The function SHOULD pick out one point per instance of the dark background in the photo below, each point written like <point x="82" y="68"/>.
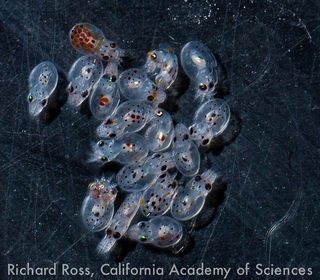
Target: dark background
<point x="270" y="53"/>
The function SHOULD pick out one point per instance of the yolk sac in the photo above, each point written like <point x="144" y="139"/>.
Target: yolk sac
<point x="86" y="38"/>
<point x="185" y="152"/>
<point x="129" y="117"/>
<point x="189" y="200"/>
<point x="160" y="132"/>
<point x="120" y="222"/>
<point x="200" y="65"/>
<point x="135" y="85"/>
<point x="83" y="75"/>
<point x="210" y="120"/>
<point x="104" y="99"/>
<point x="98" y="206"/>
<point x="162" y="232"/>
<point x="157" y="199"/>
<point x="163" y="64"/>
<point x="43" y="81"/>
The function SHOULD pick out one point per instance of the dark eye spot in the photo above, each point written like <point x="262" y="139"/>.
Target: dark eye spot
<point x="113" y="78"/>
<point x="211" y="85"/>
<point x="112" y="135"/>
<point x="185" y="137"/>
<point x="208" y="187"/>
<point x="100" y="143"/>
<point x="104" y="158"/>
<point x="203" y="86"/>
<point x="109" y="231"/>
<point x="198" y="178"/>
<point x="113" y="191"/>
<point x="44" y="102"/>
<point x="116" y="235"/>
<point x="150" y="98"/>
<point x="30" y="98"/>
<point x="163" y="168"/>
<point x="84" y="94"/>
<point x="97" y="214"/>
<point x="113" y="45"/>
<point x="71" y="89"/>
<point x="205" y="141"/>
<point x="191" y="130"/>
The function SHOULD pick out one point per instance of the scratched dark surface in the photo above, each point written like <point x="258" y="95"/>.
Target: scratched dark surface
<point x="270" y="53"/>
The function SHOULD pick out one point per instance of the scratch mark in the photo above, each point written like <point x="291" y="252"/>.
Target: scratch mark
<point x="291" y="212"/>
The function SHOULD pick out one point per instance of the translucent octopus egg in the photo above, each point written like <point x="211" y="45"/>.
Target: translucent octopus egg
<point x="83" y="75"/>
<point x="185" y="152"/>
<point x="210" y="120"/>
<point x="95" y="215"/>
<point x="120" y="222"/>
<point x="135" y="85"/>
<point x="200" y="65"/>
<point x="196" y="57"/>
<point x="159" y="134"/>
<point x="163" y="64"/>
<point x="157" y="199"/>
<point x="160" y="231"/>
<point x="190" y="199"/>
<point x="104" y="99"/>
<point x="86" y="38"/>
<point x="43" y="81"/>
<point x="169" y="231"/>
<point x="98" y="206"/>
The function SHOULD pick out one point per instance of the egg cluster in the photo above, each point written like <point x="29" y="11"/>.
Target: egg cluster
<point x="139" y="135"/>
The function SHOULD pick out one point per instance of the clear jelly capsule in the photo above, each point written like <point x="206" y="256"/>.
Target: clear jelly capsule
<point x="160" y="231"/>
<point x="134" y="177"/>
<point x="43" y="81"/>
<point x="185" y="152"/>
<point x="163" y="63"/>
<point x="157" y="199"/>
<point x="120" y="222"/>
<point x="98" y="206"/>
<point x="210" y="120"/>
<point x="83" y="75"/>
<point x="190" y="199"/>
<point x="127" y="149"/>
<point x="104" y="99"/>
<point x="160" y="132"/>
<point x="200" y="65"/>
<point x="129" y="117"/>
<point x="86" y="38"/>
<point x="135" y="85"/>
